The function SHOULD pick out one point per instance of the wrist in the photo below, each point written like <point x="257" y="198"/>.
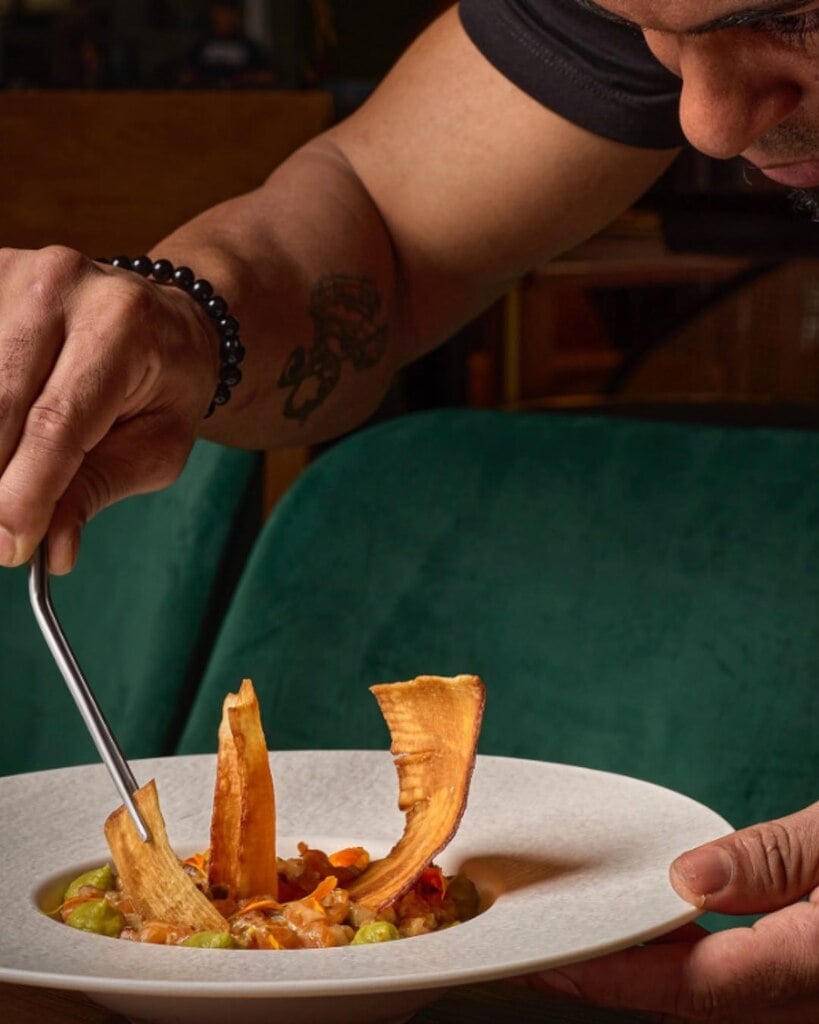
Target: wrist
<point x="213" y="306"/>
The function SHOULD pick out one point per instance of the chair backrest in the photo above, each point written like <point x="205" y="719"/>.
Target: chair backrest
<point x="113" y="172"/>
<point x="140" y="611"/>
<point x="638" y="597"/>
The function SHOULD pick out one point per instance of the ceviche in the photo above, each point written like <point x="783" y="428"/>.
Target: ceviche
<point x="240" y="893"/>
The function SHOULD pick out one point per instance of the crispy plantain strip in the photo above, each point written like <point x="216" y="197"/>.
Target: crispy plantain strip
<point x="156" y="883"/>
<point x="243" y="826"/>
<point x="434" y="723"/>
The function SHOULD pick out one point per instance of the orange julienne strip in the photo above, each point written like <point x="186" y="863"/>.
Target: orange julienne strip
<point x="351" y="856"/>
<point x="260" y="904"/>
<point x="324" y="888"/>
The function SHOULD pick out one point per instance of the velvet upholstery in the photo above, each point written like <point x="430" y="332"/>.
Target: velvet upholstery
<point x="140" y="609"/>
<point x="638" y="597"/>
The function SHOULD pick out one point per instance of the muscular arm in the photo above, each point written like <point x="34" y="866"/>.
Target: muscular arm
<point x="361" y="252"/>
<point x="448" y="184"/>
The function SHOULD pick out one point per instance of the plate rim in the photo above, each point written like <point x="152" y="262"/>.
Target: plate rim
<point x="304" y="988"/>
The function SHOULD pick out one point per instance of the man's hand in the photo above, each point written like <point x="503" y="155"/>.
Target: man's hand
<point x="767" y="974"/>
<point x="105" y="379"/>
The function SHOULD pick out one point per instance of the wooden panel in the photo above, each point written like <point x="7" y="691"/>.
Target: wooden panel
<point x="759" y="345"/>
<point x="281" y="467"/>
<point x="111" y="172"/>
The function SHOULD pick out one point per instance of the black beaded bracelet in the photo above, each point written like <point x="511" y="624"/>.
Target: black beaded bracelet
<point x="231" y="350"/>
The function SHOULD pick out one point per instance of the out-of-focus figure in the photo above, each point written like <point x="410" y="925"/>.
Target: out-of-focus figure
<point x="226" y="56"/>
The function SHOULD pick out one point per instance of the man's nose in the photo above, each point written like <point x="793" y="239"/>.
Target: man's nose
<point x="730" y="99"/>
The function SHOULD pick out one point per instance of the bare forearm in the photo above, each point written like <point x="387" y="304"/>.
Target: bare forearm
<point x="307" y="267"/>
<point x="377" y="240"/>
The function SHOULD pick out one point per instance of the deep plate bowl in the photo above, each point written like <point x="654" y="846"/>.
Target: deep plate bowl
<point x="571" y="863"/>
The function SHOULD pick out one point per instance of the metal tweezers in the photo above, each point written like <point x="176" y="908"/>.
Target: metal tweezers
<point x="106" y="744"/>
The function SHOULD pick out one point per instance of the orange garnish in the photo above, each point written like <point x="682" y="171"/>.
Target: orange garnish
<point x="75" y="901"/>
<point x="324" y="888"/>
<point x="156" y="933"/>
<point x="351" y="857"/>
<point x="259" y="904"/>
<point x="197" y="860"/>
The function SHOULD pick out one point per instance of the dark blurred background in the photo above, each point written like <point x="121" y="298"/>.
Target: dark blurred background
<point x="144" y="44"/>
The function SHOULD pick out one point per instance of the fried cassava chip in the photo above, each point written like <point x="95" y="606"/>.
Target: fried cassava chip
<point x="151" y="874"/>
<point x="434" y="723"/>
<point x="243" y="826"/>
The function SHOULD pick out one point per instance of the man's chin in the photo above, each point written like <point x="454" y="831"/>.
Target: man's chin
<point x="806" y="200"/>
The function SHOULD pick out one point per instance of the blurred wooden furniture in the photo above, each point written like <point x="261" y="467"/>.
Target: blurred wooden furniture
<point x="555" y="347"/>
<point x="113" y="172"/>
<point x="109" y="172"/>
<point x="626" y="323"/>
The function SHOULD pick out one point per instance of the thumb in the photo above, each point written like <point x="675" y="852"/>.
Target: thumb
<point x="755" y="870"/>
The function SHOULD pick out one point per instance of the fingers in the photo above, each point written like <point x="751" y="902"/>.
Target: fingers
<point x="69" y="417"/>
<point x="689" y="933"/>
<point x="766" y="973"/>
<point x="31" y="335"/>
<point x="755" y="870"/>
<point x="137" y="456"/>
<point x="47" y="385"/>
<point x="85" y="350"/>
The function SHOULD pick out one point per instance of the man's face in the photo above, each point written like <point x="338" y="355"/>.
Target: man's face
<point x="750" y="74"/>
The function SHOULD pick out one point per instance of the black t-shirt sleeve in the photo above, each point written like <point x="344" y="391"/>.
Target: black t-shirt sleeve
<point x="592" y="71"/>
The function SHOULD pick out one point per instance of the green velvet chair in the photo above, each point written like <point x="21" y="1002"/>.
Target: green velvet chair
<point x="638" y="597"/>
<point x="152" y="582"/>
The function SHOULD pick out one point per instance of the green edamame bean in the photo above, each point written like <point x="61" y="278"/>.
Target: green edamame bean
<point x="102" y="878"/>
<point x="210" y="940"/>
<point x="375" y="931"/>
<point x="97" y="916"/>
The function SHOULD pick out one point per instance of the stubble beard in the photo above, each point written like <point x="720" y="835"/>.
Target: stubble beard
<point x="791" y="140"/>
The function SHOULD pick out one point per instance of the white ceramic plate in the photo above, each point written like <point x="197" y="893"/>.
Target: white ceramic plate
<point x="571" y="863"/>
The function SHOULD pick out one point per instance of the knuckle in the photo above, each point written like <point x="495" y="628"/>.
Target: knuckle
<point x="53" y="426"/>
<point x="56" y="266"/>
<point x="62" y="258"/>
<point x="772" y="854"/>
<point x="8" y="256"/>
